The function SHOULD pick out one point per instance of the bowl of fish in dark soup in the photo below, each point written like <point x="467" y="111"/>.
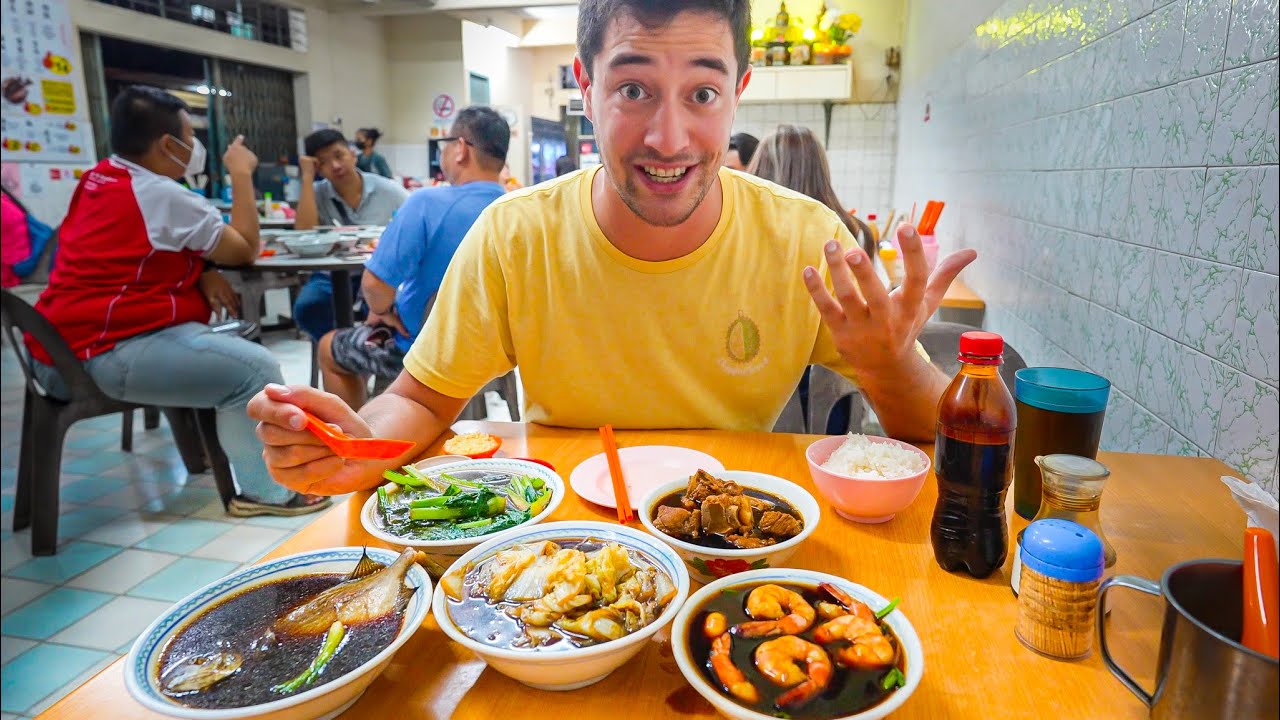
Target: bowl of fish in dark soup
<point x="560" y="606"/>
<point x="730" y="521"/>
<point x="797" y="644"/>
<point x="298" y="637"/>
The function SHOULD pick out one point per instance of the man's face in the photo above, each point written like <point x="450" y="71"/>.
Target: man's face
<point x="662" y="102"/>
<point x="179" y="154"/>
<point x="450" y="156"/>
<point x="336" y="162"/>
<point x="732" y="161"/>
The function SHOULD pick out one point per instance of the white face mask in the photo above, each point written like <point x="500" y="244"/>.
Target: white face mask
<point x="195" y="164"/>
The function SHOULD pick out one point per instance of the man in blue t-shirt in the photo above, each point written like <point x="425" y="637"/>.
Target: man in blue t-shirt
<point x="402" y="277"/>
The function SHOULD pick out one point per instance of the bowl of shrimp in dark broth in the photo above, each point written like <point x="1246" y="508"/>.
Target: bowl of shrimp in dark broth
<point x="796" y="643"/>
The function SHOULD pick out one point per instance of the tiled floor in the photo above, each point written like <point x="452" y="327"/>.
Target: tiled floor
<point x="136" y="533"/>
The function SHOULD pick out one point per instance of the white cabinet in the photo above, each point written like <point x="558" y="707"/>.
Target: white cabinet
<point x="803" y="82"/>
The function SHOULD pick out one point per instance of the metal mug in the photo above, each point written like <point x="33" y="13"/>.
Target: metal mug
<point x="1201" y="671"/>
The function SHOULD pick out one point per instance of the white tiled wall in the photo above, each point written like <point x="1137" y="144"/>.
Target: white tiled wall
<point x="1115" y="164"/>
<point x="860" y="150"/>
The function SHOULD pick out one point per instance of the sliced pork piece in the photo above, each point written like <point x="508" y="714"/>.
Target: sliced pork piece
<point x="780" y="524"/>
<point x="747" y="542"/>
<point x="676" y="522"/>
<point x="716" y="512"/>
<point x="703" y="485"/>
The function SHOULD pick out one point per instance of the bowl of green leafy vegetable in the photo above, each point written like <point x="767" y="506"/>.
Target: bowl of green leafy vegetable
<point x="444" y="510"/>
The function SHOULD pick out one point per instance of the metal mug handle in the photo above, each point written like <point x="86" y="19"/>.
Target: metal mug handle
<point x="1132" y="582"/>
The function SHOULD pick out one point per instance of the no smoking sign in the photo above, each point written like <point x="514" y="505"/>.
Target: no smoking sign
<point x="442" y="106"/>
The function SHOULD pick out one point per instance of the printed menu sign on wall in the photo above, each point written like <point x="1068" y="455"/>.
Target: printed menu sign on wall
<point x="40" y="79"/>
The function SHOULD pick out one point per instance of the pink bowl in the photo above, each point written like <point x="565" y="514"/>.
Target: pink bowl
<point x="863" y="499"/>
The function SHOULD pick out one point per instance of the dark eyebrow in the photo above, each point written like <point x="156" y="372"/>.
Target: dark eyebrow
<point x="630" y="59"/>
<point x="711" y="63"/>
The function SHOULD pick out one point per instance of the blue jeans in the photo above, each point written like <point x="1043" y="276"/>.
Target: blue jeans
<point x="313" y="310"/>
<point x="188" y="366"/>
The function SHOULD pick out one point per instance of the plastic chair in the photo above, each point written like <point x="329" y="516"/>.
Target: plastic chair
<point x="475" y="409"/>
<point x="940" y="339"/>
<point x="46" y="420"/>
<point x="792" y="418"/>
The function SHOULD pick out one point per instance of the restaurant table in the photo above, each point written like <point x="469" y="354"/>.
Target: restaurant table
<point x="962" y="305"/>
<point x="1156" y="511"/>
<point x="254" y="280"/>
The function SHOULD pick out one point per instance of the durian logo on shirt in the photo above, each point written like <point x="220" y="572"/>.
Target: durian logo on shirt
<point x="742" y="347"/>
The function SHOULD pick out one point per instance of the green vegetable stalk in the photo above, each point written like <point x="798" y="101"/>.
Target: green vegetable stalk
<point x="405" y="480"/>
<point x="888" y="608"/>
<point x="892" y="679"/>
<point x="332" y="641"/>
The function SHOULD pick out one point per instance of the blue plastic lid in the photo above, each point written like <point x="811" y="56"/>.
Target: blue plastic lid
<point x="1061" y="389"/>
<point x="1063" y="550"/>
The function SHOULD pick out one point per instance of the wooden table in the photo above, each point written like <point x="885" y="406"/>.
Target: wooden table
<point x="960" y="297"/>
<point x="960" y="304"/>
<point x="1157" y="511"/>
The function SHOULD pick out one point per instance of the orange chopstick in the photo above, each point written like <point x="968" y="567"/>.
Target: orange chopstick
<point x="930" y="219"/>
<point x="615" y="473"/>
<point x="933" y="215"/>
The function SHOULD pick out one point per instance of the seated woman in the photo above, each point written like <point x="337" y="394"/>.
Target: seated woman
<point x="128" y="288"/>
<point x="792" y="157"/>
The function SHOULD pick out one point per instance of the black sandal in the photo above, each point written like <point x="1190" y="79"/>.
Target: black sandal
<point x="241" y="506"/>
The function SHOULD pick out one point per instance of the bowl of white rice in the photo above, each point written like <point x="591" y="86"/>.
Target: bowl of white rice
<point x="867" y="479"/>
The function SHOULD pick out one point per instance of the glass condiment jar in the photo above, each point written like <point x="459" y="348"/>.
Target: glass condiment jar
<point x="1071" y="490"/>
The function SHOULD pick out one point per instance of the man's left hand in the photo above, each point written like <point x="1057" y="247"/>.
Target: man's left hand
<point x="391" y="320"/>
<point x="219" y="293"/>
<point x="875" y="330"/>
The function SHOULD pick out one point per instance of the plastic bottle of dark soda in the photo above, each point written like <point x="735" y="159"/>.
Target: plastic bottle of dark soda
<point x="973" y="461"/>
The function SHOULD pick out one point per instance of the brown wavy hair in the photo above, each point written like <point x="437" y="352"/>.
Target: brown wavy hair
<point x="792" y="157"/>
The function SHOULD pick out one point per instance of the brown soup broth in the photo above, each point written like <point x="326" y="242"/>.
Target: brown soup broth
<point x="237" y="623"/>
<point x="849" y="692"/>
<point x="718" y="542"/>
<point x="488" y="622"/>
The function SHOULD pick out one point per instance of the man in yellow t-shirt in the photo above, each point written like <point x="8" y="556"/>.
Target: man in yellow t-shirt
<point x="658" y="290"/>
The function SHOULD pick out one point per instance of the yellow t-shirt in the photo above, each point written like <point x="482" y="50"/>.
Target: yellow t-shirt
<point x="715" y="339"/>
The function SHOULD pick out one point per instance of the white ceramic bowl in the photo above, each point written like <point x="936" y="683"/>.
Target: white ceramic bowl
<point x="579" y="667"/>
<point x="142" y="667"/>
<point x="692" y="669"/>
<point x="707" y="564"/>
<point x="310" y="245"/>
<point x="442" y="553"/>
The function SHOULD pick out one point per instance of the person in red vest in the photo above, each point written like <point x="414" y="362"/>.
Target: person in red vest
<point x="131" y="294"/>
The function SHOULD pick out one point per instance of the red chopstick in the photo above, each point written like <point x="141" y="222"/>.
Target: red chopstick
<point x="615" y="473"/>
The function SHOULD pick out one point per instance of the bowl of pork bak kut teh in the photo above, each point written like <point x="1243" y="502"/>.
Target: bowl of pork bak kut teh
<point x="730" y="521"/>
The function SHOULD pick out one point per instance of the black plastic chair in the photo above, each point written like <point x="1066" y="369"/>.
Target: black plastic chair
<point x="46" y="420"/>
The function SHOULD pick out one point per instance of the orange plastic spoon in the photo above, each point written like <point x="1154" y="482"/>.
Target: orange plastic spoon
<point x="345" y="446"/>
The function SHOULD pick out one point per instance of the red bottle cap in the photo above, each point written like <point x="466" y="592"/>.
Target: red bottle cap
<point x="979" y="344"/>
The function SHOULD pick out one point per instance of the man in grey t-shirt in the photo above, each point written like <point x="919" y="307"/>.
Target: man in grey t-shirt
<point x="343" y="196"/>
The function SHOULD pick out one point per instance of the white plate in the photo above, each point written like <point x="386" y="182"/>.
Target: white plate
<point x="643" y="468"/>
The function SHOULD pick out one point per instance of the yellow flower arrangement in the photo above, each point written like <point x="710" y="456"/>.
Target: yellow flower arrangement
<point x="842" y="28"/>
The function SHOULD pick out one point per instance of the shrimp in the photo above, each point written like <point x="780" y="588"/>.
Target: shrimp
<point x="869" y="648"/>
<point x="778" y="611"/>
<point x="854" y="607"/>
<point x="779" y="660"/>
<point x="728" y="674"/>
